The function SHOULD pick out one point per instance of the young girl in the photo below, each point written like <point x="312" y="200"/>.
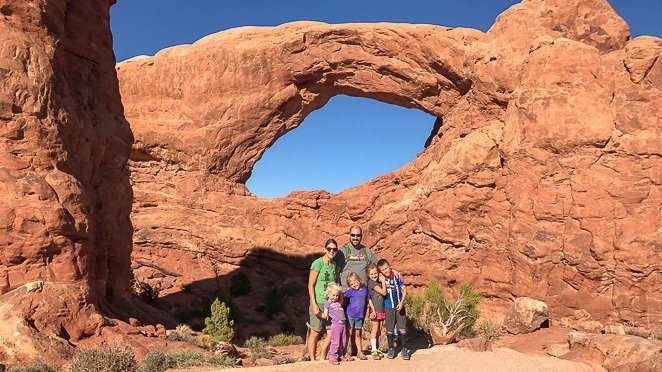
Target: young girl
<point x="333" y="309"/>
<point x="377" y="291"/>
<point x="358" y="299"/>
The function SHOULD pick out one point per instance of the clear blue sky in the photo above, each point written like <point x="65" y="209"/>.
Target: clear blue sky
<point x="316" y="155"/>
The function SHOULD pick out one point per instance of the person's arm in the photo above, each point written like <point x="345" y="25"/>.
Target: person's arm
<point x="312" y="279"/>
<point x="371" y="305"/>
<point x="381" y="289"/>
<point x="404" y="294"/>
<point x="325" y="314"/>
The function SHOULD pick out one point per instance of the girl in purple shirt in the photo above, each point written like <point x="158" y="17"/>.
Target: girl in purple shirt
<point x="333" y="309"/>
<point x="358" y="300"/>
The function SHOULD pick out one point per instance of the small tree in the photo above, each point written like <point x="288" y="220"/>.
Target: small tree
<point x="219" y="325"/>
<point x="446" y="320"/>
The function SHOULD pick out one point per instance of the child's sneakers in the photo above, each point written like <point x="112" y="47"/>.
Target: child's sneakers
<point x="404" y="354"/>
<point x="376" y="354"/>
<point x="361" y="356"/>
<point x="391" y="353"/>
<point x="334" y="361"/>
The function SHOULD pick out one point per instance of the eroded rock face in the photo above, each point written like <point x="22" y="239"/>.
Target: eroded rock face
<point x="65" y="197"/>
<point x="543" y="177"/>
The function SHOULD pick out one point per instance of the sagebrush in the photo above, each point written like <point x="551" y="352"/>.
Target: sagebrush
<point x="452" y="318"/>
<point x="285" y="339"/>
<point x="107" y="358"/>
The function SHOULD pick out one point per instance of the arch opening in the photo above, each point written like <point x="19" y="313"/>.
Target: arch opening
<point x="349" y="141"/>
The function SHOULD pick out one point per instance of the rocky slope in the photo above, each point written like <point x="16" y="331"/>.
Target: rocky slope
<point x="541" y="178"/>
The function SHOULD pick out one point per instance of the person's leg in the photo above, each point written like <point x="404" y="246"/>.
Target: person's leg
<point x="326" y="344"/>
<point x="390" y="325"/>
<point x="335" y="336"/>
<point x="402" y="330"/>
<point x="316" y="327"/>
<point x="312" y="344"/>
<point x="343" y="346"/>
<point x="374" y="333"/>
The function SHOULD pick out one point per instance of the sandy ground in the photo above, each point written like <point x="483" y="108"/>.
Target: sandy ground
<point x="440" y="358"/>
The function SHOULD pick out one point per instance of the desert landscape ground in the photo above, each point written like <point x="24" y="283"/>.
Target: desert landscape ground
<point x="124" y="211"/>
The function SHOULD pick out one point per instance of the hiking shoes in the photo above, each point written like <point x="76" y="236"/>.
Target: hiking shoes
<point x="361" y="356"/>
<point x="334" y="361"/>
<point x="376" y="355"/>
<point x="391" y="353"/>
<point x="404" y="354"/>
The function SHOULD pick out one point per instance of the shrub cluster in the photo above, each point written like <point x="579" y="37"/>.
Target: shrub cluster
<point x="159" y="361"/>
<point x="284" y="339"/>
<point x="107" y="358"/>
<point x="454" y="317"/>
<point x="258" y="348"/>
<point x="36" y="366"/>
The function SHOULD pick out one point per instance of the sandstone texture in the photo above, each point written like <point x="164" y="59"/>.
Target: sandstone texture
<point x="541" y="178"/>
<point x="525" y="316"/>
<point x="65" y="196"/>
<point x="616" y="353"/>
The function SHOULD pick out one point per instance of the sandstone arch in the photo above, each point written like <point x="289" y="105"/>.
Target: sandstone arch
<point x="544" y="178"/>
<point x="526" y="166"/>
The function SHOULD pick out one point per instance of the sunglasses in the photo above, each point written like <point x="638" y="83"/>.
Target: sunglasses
<point x="331" y="249"/>
<point x="355" y="235"/>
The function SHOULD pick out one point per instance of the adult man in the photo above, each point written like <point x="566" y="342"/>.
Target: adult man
<point x="353" y="257"/>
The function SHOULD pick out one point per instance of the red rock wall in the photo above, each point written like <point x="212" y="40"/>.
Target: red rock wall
<point x="65" y="196"/>
<point x="544" y="179"/>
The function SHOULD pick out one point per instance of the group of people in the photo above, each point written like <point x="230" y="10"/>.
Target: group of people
<point x="345" y="285"/>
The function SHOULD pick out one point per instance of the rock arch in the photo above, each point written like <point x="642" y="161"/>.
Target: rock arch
<point x="544" y="178"/>
<point x="532" y="127"/>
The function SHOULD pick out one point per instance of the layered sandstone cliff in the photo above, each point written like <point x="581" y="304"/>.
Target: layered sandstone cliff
<point x="542" y="176"/>
<point x="65" y="197"/>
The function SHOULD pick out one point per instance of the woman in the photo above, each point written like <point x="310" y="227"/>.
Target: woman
<point x="322" y="272"/>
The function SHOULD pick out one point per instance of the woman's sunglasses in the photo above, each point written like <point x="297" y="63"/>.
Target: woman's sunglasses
<point x="329" y="249"/>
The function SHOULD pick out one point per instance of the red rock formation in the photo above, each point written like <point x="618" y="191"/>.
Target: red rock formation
<point x="543" y="180"/>
<point x="65" y="197"/>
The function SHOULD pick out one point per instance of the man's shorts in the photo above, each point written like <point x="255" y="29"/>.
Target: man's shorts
<point x="316" y="324"/>
<point x="395" y="317"/>
<point x="356" y="323"/>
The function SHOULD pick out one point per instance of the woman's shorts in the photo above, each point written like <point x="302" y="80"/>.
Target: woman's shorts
<point x="317" y="324"/>
<point x="356" y="323"/>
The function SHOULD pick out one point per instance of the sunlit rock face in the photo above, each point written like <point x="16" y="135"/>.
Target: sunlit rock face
<point x="65" y="196"/>
<point x="543" y="178"/>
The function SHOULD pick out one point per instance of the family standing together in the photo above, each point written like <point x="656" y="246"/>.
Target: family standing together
<point x="345" y="285"/>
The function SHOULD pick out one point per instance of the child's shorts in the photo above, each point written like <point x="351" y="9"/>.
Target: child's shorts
<point x="377" y="315"/>
<point x="356" y="323"/>
<point x="395" y="318"/>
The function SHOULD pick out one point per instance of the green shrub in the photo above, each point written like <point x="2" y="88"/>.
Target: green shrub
<point x="104" y="359"/>
<point x="454" y="318"/>
<point x="490" y="330"/>
<point x="284" y="339"/>
<point x="219" y="325"/>
<point x="258" y="348"/>
<point x="239" y="284"/>
<point x="158" y="361"/>
<point x="183" y="333"/>
<point x="36" y="366"/>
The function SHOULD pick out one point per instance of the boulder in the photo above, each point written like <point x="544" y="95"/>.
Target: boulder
<point x="582" y="321"/>
<point x="525" y="316"/>
<point x="616" y="352"/>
